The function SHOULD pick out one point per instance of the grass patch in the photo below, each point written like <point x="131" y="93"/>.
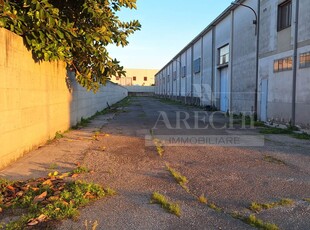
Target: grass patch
<point x="307" y="199"/>
<point x="301" y="136"/>
<point x="179" y="178"/>
<point x="258" y="223"/>
<point x="46" y="199"/>
<point x="257" y="207"/>
<point x="58" y="135"/>
<point x="53" y="166"/>
<point x="111" y="109"/>
<point x="159" y="148"/>
<point x="214" y="207"/>
<point x="288" y="131"/>
<point x="203" y="199"/>
<point x="80" y="170"/>
<point x="169" y="101"/>
<point x="173" y="208"/>
<point x="274" y="130"/>
<point x="274" y="160"/>
<point x="249" y="120"/>
<point x="123" y="103"/>
<point x="83" y="123"/>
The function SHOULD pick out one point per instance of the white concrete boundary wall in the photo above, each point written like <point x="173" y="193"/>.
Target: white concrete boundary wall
<point x="140" y="89"/>
<point x="35" y="101"/>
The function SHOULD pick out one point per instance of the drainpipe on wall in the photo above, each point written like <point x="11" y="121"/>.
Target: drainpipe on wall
<point x="180" y="78"/>
<point x="231" y="59"/>
<point x="185" y="80"/>
<point x="172" y="80"/>
<point x="257" y="60"/>
<point x="192" y="74"/>
<point x="201" y="71"/>
<point x="293" y="121"/>
<point x="213" y="66"/>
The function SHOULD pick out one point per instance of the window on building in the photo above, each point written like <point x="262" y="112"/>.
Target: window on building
<point x="134" y="78"/>
<point x="284" y="15"/>
<point x="145" y="78"/>
<point x="304" y="60"/>
<point x="224" y="55"/>
<point x="197" y="65"/>
<point x="283" y="64"/>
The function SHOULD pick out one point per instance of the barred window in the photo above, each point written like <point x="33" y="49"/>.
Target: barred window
<point x="284" y="15"/>
<point x="283" y="64"/>
<point x="304" y="60"/>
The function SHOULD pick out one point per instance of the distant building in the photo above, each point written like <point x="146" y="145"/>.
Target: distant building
<point x="137" y="77"/>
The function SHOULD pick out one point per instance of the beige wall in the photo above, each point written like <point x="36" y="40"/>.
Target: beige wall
<point x="139" y="74"/>
<point x="35" y="101"/>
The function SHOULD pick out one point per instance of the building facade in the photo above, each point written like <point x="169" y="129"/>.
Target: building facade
<point x="284" y="61"/>
<point x="137" y="77"/>
<point x="243" y="62"/>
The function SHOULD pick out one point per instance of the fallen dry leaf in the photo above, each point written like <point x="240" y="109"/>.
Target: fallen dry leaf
<point x="74" y="175"/>
<point x="32" y="222"/>
<point x="40" y="197"/>
<point x="20" y="193"/>
<point x="53" y="198"/>
<point x="9" y="187"/>
<point x="47" y="182"/>
<point x="42" y="218"/>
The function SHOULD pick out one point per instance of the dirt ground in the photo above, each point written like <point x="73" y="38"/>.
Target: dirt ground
<point x="231" y="177"/>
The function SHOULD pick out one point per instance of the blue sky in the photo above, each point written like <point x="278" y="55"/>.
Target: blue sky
<point x="167" y="26"/>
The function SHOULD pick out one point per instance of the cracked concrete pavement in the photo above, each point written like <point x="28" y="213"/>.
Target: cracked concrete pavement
<point x="230" y="177"/>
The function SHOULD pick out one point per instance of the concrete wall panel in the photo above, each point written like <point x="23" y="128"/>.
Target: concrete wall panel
<point x="36" y="102"/>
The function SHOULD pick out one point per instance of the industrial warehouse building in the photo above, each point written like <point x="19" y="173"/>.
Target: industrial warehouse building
<point x="253" y="58"/>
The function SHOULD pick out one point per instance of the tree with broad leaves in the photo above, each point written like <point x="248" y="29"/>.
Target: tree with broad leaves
<point x="74" y="31"/>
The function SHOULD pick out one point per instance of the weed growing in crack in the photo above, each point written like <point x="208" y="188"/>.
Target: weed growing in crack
<point x="254" y="221"/>
<point x="53" y="166"/>
<point x="110" y="192"/>
<point x="173" y="208"/>
<point x="159" y="148"/>
<point x="80" y="169"/>
<point x="203" y="199"/>
<point x="273" y="159"/>
<point x="58" y="135"/>
<point x="214" y="207"/>
<point x="257" y="207"/>
<point x="180" y="179"/>
<point x="93" y="226"/>
<point x="258" y="223"/>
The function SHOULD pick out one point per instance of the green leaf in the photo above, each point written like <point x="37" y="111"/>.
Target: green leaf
<point x="72" y="31"/>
